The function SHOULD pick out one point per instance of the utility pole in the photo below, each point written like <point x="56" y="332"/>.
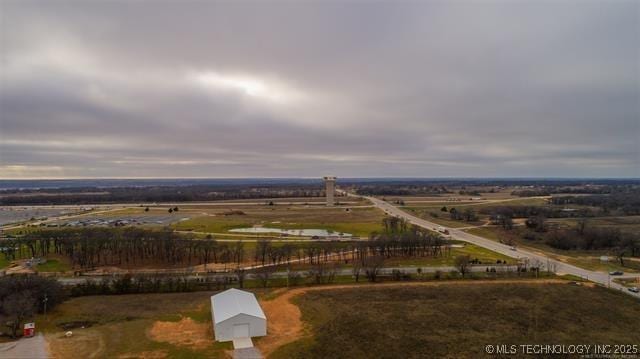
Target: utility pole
<point x="44" y="301"/>
<point x="288" y="275"/>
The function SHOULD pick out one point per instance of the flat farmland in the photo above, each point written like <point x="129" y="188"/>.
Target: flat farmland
<point x="628" y="224"/>
<point x="530" y="201"/>
<point x="455" y="196"/>
<point x="282" y="200"/>
<point x="458" y="320"/>
<point x="432" y="211"/>
<point x="359" y="221"/>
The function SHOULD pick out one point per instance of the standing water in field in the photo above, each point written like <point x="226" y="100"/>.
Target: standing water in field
<point x="291" y="232"/>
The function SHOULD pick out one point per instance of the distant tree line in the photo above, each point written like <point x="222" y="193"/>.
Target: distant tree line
<point x="150" y="194"/>
<point x="628" y="202"/>
<point x="466" y="214"/>
<point x="579" y="188"/>
<point x="135" y="284"/>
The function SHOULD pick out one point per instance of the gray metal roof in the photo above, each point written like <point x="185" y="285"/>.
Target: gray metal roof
<point x="233" y="302"/>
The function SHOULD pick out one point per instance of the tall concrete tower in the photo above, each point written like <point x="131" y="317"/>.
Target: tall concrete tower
<point x="330" y="187"/>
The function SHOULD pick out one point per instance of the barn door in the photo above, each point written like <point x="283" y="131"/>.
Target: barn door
<point x="241" y="331"/>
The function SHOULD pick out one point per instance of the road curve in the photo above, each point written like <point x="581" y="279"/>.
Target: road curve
<point x="545" y="262"/>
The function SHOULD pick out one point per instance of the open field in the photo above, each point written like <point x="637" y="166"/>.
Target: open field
<point x="54" y="265"/>
<point x="358" y="217"/>
<point x="485" y="256"/>
<point x="3" y="261"/>
<point x="402" y="319"/>
<point x="176" y="325"/>
<point x="504" y="193"/>
<point x="432" y="212"/>
<point x="628" y="224"/>
<point x="515" y="201"/>
<point x="288" y="200"/>
<point x="357" y="221"/>
<point x="443" y="219"/>
<point x="458" y="320"/>
<point x="447" y="259"/>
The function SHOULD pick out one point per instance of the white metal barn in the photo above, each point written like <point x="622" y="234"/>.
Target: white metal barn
<point x="237" y="314"/>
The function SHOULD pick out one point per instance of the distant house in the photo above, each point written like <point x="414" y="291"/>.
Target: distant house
<point x="237" y="314"/>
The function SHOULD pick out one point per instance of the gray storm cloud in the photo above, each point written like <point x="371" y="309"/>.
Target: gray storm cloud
<point x="278" y="89"/>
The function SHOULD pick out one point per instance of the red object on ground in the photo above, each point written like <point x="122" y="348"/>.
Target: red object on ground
<point x="29" y="330"/>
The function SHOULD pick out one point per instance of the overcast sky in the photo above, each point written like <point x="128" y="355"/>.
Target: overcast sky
<point x="284" y="89"/>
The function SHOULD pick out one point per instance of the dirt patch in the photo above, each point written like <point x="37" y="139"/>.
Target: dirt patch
<point x="186" y="333"/>
<point x="19" y="267"/>
<point x="157" y="354"/>
<point x="284" y="323"/>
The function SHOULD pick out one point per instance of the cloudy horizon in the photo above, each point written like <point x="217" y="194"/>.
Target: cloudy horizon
<point x="281" y="89"/>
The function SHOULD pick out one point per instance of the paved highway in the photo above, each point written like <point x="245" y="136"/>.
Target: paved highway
<point x="545" y="262"/>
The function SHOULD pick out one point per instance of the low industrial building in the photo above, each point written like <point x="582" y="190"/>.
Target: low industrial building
<point x="237" y="314"/>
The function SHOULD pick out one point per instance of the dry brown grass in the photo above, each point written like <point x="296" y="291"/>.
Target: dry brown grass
<point x="457" y="320"/>
<point x="154" y="354"/>
<point x="83" y="344"/>
<point x="284" y="323"/>
<point x="185" y="332"/>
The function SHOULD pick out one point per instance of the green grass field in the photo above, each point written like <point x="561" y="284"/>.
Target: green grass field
<point x="357" y="221"/>
<point x="457" y="321"/>
<point x="4" y="262"/>
<point x="492" y="232"/>
<point x="54" y="265"/>
<point x="484" y="255"/>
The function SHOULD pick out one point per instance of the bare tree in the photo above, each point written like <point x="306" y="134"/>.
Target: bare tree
<point x="356" y="269"/>
<point x="263" y="275"/>
<point x="241" y="274"/>
<point x="293" y="278"/>
<point x="582" y="225"/>
<point x="469" y="215"/>
<point x="372" y="266"/>
<point x="463" y="264"/>
<point x="319" y="272"/>
<point x="323" y="272"/>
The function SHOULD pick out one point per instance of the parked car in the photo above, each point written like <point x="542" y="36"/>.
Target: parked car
<point x="634" y="289"/>
<point x="616" y="272"/>
<point x="513" y="248"/>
